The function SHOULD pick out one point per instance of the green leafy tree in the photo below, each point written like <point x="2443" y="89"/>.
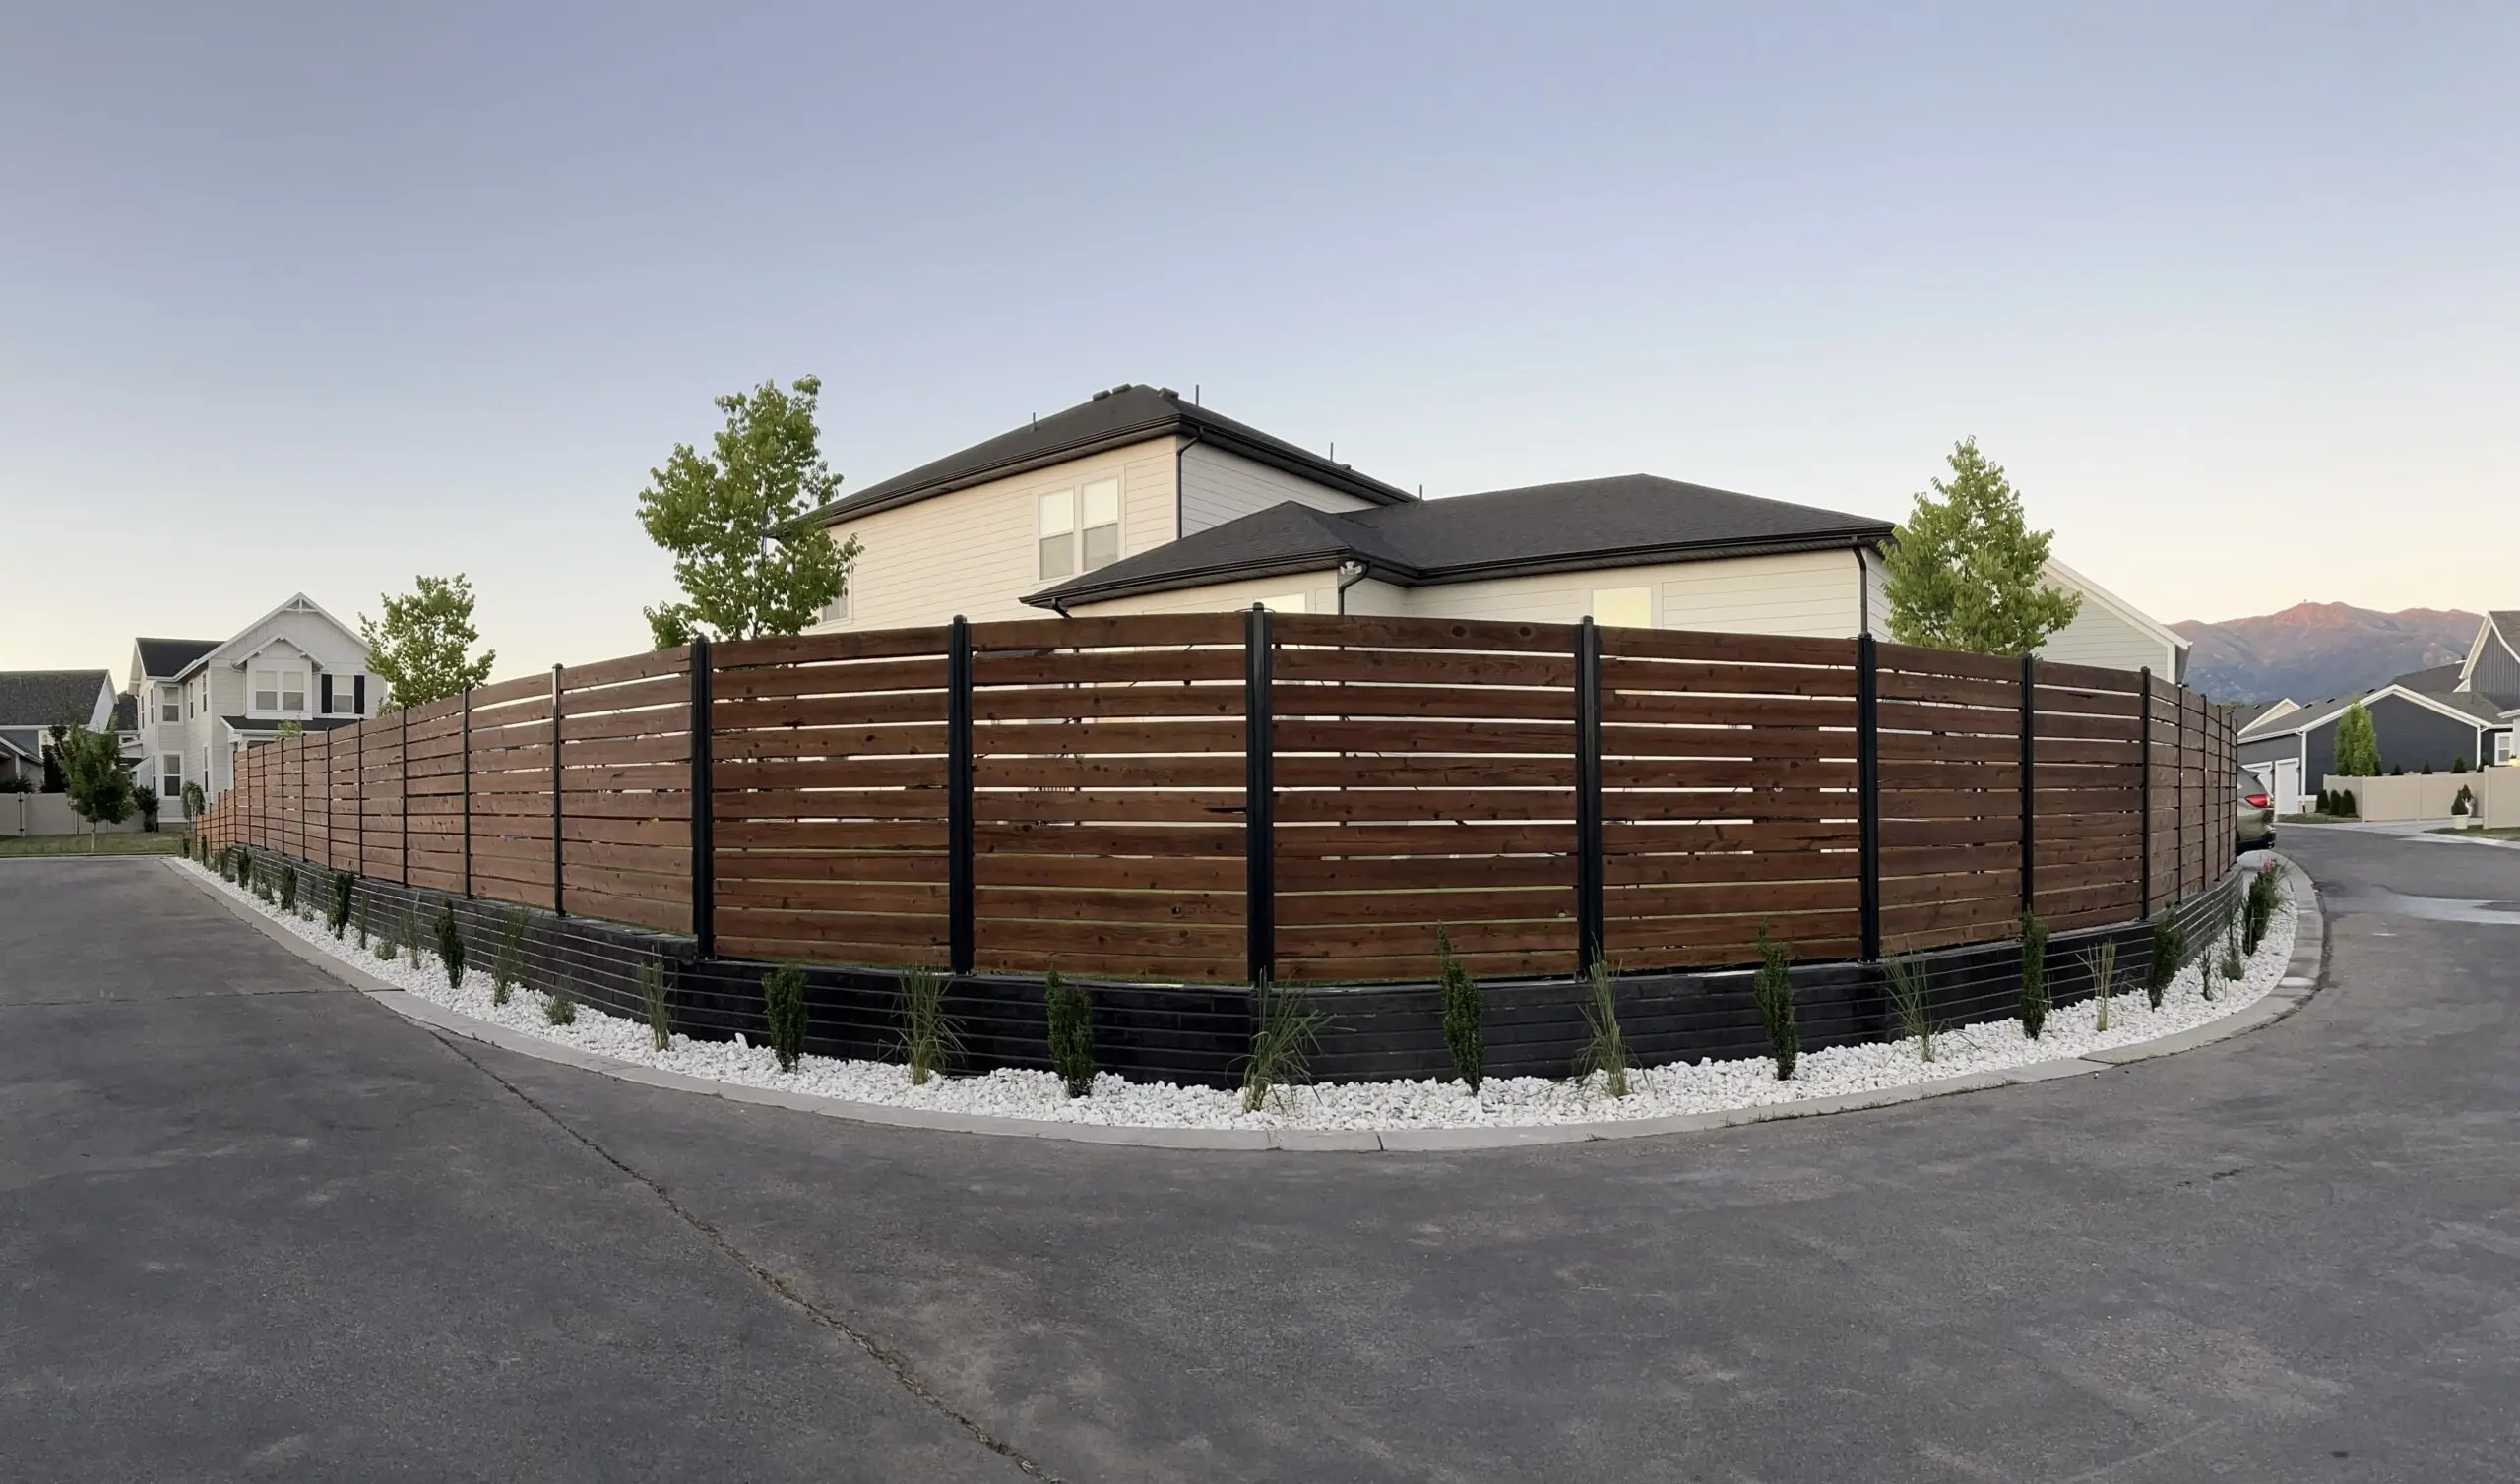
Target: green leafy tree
<point x="96" y="778"/>
<point x="2358" y="746"/>
<point x="1966" y="572"/>
<point x="422" y="648"/>
<point x="746" y="560"/>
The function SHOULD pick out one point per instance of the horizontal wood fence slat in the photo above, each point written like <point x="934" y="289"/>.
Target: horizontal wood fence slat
<point x="1082" y="794"/>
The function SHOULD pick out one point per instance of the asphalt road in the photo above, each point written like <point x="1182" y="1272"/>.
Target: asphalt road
<point x="253" y="1226"/>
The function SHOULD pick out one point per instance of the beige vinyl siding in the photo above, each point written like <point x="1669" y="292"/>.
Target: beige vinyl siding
<point x="1320" y="591"/>
<point x="2099" y="637"/>
<point x="1217" y="486"/>
<point x="974" y="551"/>
<point x="1877" y="581"/>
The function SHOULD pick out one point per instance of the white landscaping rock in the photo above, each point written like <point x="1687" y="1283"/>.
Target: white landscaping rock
<point x="1501" y="1102"/>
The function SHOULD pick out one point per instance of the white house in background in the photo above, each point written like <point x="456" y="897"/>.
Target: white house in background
<point x="1138" y="502"/>
<point x="33" y="701"/>
<point x="203" y="700"/>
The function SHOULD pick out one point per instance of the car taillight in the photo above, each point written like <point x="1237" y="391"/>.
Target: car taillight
<point x="2260" y="801"/>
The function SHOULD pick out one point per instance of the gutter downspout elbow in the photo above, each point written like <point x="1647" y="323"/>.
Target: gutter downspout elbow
<point x="1350" y="574"/>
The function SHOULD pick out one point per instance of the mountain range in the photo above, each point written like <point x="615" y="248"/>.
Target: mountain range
<point x="2310" y="651"/>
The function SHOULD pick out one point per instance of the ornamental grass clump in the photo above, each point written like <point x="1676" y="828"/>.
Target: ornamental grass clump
<point x="288" y="889"/>
<point x="783" y="1011"/>
<point x="1604" y="1044"/>
<point x="657" y="1000"/>
<point x="1071" y="1018"/>
<point x="2101" y="965"/>
<point x="2234" y="961"/>
<point x="2168" y="956"/>
<point x="1910" y="1006"/>
<point x="559" y="1007"/>
<point x="507" y="965"/>
<point x="930" y="1040"/>
<point x="1285" y="1031"/>
<point x="2265" y="895"/>
<point x="344" y="891"/>
<point x="1464" y="1037"/>
<point x="450" y="946"/>
<point x="1772" y="991"/>
<point x="2034" y="974"/>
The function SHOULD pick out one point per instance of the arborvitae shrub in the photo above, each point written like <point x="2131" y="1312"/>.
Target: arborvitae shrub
<point x="783" y="996"/>
<point x="345" y="890"/>
<point x="657" y="998"/>
<point x="2398" y="772"/>
<point x="1071" y="1015"/>
<point x="450" y="946"/>
<point x="289" y="889"/>
<point x="2265" y="895"/>
<point x="2427" y="770"/>
<point x="1772" y="991"/>
<point x="2034" y="974"/>
<point x="2346" y="806"/>
<point x="507" y="965"/>
<point x="1463" y="1037"/>
<point x="2459" y="764"/>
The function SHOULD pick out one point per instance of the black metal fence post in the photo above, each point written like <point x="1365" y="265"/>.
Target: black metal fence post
<point x="466" y="779"/>
<point x="962" y="939"/>
<point x="1587" y="796"/>
<point x="1867" y="787"/>
<point x="1259" y="801"/>
<point x="2144" y="794"/>
<point x="557" y="909"/>
<point x="402" y="777"/>
<point x="2029" y="799"/>
<point x="704" y="822"/>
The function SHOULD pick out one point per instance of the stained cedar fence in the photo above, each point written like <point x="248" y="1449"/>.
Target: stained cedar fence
<point x="1206" y="798"/>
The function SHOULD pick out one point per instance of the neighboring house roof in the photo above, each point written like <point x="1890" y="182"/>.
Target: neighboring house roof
<point x="2093" y="592"/>
<point x="1624" y="521"/>
<point x="165" y="658"/>
<point x="42" y="698"/>
<point x="126" y="712"/>
<point x="2247" y="717"/>
<point x="2477" y="711"/>
<point x="2500" y="626"/>
<point x="298" y="601"/>
<point x="1116" y="419"/>
<point x="25" y="741"/>
<point x="260" y="724"/>
<point x="2439" y="680"/>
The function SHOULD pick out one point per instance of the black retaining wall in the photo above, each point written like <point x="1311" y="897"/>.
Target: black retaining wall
<point x="1198" y="1034"/>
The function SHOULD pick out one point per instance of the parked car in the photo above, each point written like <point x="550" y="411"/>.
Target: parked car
<point x="2255" y="815"/>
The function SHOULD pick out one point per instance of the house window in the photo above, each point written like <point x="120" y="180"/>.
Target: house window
<point x="1059" y="532"/>
<point x="1101" y="534"/>
<point x="170" y="707"/>
<point x="292" y="690"/>
<point x="267" y="690"/>
<point x="1283" y="602"/>
<point x="2502" y="748"/>
<point x="1623" y="608"/>
<point x="171" y="767"/>
<point x="836" y="610"/>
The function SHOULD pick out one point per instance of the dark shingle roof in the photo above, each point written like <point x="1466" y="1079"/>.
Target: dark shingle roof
<point x="2437" y="680"/>
<point x="1625" y="520"/>
<point x="126" y="712"/>
<point x="1111" y="419"/>
<point x="166" y="657"/>
<point x="306" y="724"/>
<point x="41" y="698"/>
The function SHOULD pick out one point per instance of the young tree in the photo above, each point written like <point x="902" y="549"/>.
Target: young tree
<point x="2358" y="746"/>
<point x="745" y="561"/>
<point x="421" y="649"/>
<point x="95" y="778"/>
<point x="1966" y="572"/>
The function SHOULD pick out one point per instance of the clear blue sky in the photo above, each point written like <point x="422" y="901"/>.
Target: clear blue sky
<point x="322" y="297"/>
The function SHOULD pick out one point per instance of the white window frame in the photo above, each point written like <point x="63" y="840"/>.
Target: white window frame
<point x="1054" y="520"/>
<point x="836" y="610"/>
<point x="254" y="692"/>
<point x="298" y="675"/>
<point x="170" y="705"/>
<point x="2502" y="748"/>
<point x="1618" y="601"/>
<point x="1087" y="496"/>
<point x="171" y="774"/>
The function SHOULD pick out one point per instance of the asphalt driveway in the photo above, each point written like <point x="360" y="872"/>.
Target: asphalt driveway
<point x="255" y="1225"/>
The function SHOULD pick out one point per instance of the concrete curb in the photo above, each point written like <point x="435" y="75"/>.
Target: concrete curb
<point x="2303" y="978"/>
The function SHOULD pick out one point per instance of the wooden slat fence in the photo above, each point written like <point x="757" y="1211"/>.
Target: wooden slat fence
<point x="1081" y="794"/>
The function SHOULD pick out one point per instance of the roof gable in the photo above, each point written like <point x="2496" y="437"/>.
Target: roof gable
<point x="1116" y="419"/>
<point x="252" y="638"/>
<point x="44" y="698"/>
<point x="166" y="659"/>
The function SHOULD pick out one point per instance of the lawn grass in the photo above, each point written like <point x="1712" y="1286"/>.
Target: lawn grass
<point x="2506" y="831"/>
<point x="164" y="843"/>
<point x="2313" y="818"/>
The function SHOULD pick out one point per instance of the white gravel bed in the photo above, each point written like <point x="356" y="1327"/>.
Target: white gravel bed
<point x="1680" y="1087"/>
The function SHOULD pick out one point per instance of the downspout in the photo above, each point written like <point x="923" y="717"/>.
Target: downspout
<point x="1862" y="594"/>
<point x="1350" y="574"/>
<point x="1180" y="501"/>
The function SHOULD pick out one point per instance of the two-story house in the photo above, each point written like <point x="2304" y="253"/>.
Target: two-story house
<point x="203" y="700"/>
<point x="1136" y="501"/>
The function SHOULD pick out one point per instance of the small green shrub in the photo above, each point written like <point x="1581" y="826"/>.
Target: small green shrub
<point x="1910" y="1004"/>
<point x="782" y="1000"/>
<point x="930" y="1040"/>
<point x="657" y="997"/>
<point x="2101" y="963"/>
<point x="2459" y="764"/>
<point x="1463" y="1037"/>
<point x="289" y="889"/>
<point x="1604" y="1044"/>
<point x="450" y="946"/>
<point x="2034" y="974"/>
<point x="1285" y="1031"/>
<point x="2265" y="895"/>
<point x="344" y="891"/>
<point x="386" y="947"/>
<point x="2234" y="963"/>
<point x="2398" y="772"/>
<point x="2346" y="806"/>
<point x="2168" y="957"/>
<point x="559" y="1007"/>
<point x="361" y="915"/>
<point x="1071" y="1016"/>
<point x="415" y="941"/>
<point x="193" y="801"/>
<point x="507" y="965"/>
<point x="1772" y="992"/>
<point x="229" y="858"/>
<point x="2464" y="801"/>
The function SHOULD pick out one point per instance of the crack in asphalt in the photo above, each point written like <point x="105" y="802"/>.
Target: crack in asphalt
<point x="891" y="1360"/>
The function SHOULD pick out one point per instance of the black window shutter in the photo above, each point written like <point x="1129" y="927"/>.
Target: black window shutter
<point x="327" y="699"/>
<point x="358" y="693"/>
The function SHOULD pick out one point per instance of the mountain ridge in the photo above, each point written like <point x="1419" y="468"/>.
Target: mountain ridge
<point x="2311" y="650"/>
